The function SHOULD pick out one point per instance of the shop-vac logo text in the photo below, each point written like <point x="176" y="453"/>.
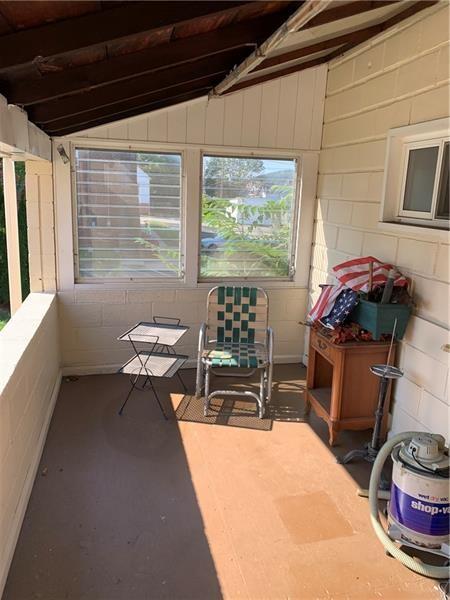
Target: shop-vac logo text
<point x="430" y="509"/>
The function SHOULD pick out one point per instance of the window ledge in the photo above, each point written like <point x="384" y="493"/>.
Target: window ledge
<point x="416" y="231"/>
<point x="181" y="285"/>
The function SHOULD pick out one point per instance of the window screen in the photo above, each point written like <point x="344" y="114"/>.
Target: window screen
<point x="128" y="214"/>
<point x="247" y="220"/>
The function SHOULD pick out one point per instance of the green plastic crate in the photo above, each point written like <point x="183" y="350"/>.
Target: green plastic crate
<point x="379" y="318"/>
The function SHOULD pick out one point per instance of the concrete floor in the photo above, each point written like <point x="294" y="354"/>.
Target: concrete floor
<point x="136" y="508"/>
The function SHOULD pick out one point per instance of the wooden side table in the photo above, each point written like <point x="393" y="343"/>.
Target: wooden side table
<point x="340" y="387"/>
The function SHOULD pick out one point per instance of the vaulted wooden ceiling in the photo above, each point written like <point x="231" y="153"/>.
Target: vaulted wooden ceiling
<point x="79" y="64"/>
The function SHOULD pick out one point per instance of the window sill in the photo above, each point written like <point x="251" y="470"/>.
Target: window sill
<point x="417" y="231"/>
<point x="181" y="285"/>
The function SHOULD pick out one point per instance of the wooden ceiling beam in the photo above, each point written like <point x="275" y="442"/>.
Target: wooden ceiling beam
<point x="355" y="36"/>
<point x="411" y="10"/>
<point x="347" y="10"/>
<point x="139" y="87"/>
<point x="101" y="27"/>
<point x="89" y="120"/>
<point x="120" y="68"/>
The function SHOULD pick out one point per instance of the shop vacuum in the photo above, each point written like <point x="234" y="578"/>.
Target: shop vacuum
<point x="418" y="509"/>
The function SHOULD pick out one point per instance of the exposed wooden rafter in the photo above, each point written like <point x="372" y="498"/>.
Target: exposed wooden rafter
<point x="125" y="20"/>
<point x="137" y="88"/>
<point x="353" y="37"/>
<point x="71" y="125"/>
<point x="94" y="63"/>
<point x="358" y="39"/>
<point x="346" y="10"/>
<point x="123" y="67"/>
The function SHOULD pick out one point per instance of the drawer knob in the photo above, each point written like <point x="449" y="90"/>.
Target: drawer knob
<point x="322" y="345"/>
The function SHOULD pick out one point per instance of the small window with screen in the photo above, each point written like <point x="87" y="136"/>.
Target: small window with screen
<point x="425" y="189"/>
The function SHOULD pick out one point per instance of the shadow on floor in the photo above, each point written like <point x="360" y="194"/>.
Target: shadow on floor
<point x="113" y="513"/>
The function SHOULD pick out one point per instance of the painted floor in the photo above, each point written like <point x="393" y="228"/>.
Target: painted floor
<point x="136" y="507"/>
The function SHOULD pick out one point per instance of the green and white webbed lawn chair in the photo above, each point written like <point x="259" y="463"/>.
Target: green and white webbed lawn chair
<point x="236" y="335"/>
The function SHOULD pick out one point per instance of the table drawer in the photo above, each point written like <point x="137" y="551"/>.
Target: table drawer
<point x="322" y="346"/>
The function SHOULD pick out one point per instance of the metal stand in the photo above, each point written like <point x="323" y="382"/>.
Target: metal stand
<point x="159" y="359"/>
<point x="370" y="450"/>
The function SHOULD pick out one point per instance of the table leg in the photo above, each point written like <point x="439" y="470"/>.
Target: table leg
<point x="332" y="431"/>
<point x="307" y="404"/>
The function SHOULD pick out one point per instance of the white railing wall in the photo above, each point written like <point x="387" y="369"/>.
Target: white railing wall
<point x="29" y="383"/>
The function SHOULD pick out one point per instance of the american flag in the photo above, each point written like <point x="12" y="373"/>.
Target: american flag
<point x="345" y="303"/>
<point x="353" y="274"/>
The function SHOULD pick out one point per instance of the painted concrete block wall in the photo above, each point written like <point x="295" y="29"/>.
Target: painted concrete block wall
<point x="40" y="225"/>
<point x="398" y="79"/>
<point x="284" y="114"/>
<point x="91" y="321"/>
<point x="29" y="383"/>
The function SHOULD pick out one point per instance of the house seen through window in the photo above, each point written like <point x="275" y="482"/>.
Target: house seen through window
<point x="128" y="214"/>
<point x="247" y="217"/>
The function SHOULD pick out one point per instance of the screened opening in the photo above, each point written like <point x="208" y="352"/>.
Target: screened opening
<point x="247" y="217"/>
<point x="128" y="214"/>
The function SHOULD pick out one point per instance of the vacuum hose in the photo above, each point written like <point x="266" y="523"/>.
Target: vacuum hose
<point x="419" y="567"/>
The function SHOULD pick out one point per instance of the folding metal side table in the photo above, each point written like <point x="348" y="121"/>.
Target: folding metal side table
<point x="157" y="357"/>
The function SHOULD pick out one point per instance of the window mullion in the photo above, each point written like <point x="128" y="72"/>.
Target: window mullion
<point x="191" y="209"/>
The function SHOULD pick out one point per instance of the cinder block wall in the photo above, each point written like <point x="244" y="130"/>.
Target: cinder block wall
<point x="91" y="321"/>
<point x="399" y="79"/>
<point x="29" y="383"/>
<point x="40" y="225"/>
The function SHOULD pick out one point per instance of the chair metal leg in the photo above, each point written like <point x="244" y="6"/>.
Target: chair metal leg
<point x="200" y="373"/>
<point x="199" y="379"/>
<point x="207" y="379"/>
<point x="262" y="395"/>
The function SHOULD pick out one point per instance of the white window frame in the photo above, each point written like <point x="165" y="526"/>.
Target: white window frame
<point x="431" y="214"/>
<point x="96" y="280"/>
<point x="307" y="172"/>
<point x="400" y="141"/>
<point x="294" y="232"/>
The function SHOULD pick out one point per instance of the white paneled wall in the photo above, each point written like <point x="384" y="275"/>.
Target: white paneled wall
<point x="283" y="113"/>
<point x="399" y="79"/>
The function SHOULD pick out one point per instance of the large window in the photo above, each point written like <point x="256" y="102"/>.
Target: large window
<point x="128" y="214"/>
<point x="247" y="218"/>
